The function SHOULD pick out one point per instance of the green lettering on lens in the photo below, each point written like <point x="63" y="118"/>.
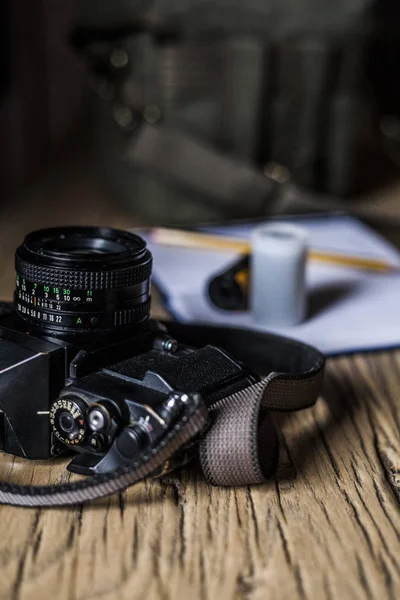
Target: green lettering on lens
<point x="46" y="288"/>
<point x="35" y="285"/>
<point x="56" y="290"/>
<point x="66" y="292"/>
<point x="79" y="321"/>
<point x="89" y="293"/>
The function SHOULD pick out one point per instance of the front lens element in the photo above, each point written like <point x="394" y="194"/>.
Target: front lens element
<point x="83" y="279"/>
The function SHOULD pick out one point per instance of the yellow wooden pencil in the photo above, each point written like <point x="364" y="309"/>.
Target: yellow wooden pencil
<point x="207" y="241"/>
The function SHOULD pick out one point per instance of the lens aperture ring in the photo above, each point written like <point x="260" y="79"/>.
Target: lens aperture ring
<point x="76" y="320"/>
<point x="84" y="280"/>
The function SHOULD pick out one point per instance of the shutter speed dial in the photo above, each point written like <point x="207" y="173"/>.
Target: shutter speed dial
<point x="67" y="418"/>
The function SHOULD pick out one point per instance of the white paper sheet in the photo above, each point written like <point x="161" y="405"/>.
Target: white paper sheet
<point x="349" y="309"/>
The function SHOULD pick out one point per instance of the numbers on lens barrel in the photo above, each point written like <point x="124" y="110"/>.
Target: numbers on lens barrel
<point x="36" y="314"/>
<point x="46" y="294"/>
<point x="42" y="302"/>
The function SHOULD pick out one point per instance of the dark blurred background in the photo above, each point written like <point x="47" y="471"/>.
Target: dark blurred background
<point x="305" y="94"/>
<point x="42" y="87"/>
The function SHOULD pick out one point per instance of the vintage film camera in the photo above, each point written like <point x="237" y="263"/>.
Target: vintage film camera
<point x="82" y="366"/>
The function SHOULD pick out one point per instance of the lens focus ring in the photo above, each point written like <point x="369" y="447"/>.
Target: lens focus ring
<point x="81" y="280"/>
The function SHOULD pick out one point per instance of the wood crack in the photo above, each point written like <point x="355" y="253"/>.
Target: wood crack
<point x="363" y="579"/>
<point x="253" y="515"/>
<point x="359" y="523"/>
<point x="390" y="462"/>
<point x="382" y="503"/>
<point x="377" y="529"/>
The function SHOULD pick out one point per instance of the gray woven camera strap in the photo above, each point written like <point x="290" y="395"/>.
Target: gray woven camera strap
<point x="239" y="446"/>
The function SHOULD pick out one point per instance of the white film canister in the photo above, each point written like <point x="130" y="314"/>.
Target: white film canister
<point x="278" y="264"/>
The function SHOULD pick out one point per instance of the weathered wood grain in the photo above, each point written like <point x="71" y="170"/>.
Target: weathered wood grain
<point x="328" y="526"/>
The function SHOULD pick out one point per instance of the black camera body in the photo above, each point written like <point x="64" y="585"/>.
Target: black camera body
<point x="82" y="366"/>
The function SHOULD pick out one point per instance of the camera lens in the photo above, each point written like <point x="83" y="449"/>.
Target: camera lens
<point x="83" y="280"/>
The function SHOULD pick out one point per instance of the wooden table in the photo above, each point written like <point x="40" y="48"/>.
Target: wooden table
<point x="327" y="527"/>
